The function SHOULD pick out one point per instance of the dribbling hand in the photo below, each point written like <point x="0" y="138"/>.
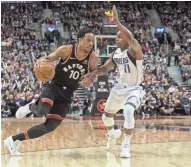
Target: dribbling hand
<point x="42" y="59"/>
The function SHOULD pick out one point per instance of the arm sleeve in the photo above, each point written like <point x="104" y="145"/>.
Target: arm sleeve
<point x="139" y="64"/>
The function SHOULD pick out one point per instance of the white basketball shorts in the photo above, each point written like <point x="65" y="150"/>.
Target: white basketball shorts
<point x="121" y="94"/>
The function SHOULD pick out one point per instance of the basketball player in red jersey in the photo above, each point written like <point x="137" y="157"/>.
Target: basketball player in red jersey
<point x="75" y="61"/>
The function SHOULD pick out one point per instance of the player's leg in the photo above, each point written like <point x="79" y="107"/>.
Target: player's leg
<point x="51" y="123"/>
<point x="36" y="131"/>
<point x="113" y="105"/>
<point x="132" y="103"/>
<point x="40" y="107"/>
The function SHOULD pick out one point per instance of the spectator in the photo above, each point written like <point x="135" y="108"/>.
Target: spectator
<point x="75" y="107"/>
<point x="86" y="105"/>
<point x="185" y="102"/>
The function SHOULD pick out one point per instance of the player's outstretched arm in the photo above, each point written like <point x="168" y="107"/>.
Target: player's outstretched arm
<point x="94" y="70"/>
<point x="105" y="68"/>
<point x="133" y="43"/>
<point x="102" y="69"/>
<point x="60" y="52"/>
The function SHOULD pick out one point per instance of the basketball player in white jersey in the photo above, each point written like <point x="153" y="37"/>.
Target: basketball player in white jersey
<point x="127" y="93"/>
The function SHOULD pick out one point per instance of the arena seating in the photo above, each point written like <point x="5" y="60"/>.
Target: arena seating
<point x="20" y="49"/>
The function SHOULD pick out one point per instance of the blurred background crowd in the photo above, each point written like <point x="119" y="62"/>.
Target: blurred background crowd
<point x="21" y="46"/>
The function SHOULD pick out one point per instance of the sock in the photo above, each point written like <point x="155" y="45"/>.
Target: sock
<point x="19" y="137"/>
<point x="34" y="132"/>
<point x="110" y="132"/>
<point x="127" y="139"/>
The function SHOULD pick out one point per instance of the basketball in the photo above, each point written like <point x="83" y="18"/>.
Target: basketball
<point x="44" y="71"/>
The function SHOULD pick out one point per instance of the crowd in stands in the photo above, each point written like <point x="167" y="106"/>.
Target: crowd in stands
<point x="77" y="15"/>
<point x="20" y="49"/>
<point x="179" y="19"/>
<point x="185" y="66"/>
<point x="164" y="95"/>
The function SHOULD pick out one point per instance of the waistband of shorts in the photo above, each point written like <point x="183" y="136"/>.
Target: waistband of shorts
<point x="61" y="85"/>
<point x="130" y="86"/>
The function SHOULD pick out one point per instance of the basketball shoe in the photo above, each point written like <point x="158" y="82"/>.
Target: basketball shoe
<point x="24" y="110"/>
<point x="125" y="150"/>
<point x="112" y="138"/>
<point x="111" y="160"/>
<point x="12" y="146"/>
<point x="125" y="162"/>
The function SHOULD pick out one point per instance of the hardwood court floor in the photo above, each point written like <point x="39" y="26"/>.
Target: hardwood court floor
<point x="157" y="142"/>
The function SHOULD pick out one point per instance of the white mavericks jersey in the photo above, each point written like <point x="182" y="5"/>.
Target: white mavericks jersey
<point x="128" y="72"/>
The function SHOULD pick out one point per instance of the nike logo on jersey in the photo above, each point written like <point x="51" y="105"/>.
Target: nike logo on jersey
<point x="85" y="62"/>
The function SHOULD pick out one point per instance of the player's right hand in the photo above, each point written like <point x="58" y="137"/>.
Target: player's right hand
<point x="42" y="59"/>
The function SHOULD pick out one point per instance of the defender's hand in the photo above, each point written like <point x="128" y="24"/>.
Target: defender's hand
<point x="91" y="75"/>
<point x="115" y="14"/>
<point x="86" y="82"/>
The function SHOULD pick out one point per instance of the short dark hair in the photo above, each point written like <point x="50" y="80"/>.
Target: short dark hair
<point x="83" y="31"/>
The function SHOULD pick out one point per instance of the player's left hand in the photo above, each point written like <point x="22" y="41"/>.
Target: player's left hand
<point x="88" y="79"/>
<point x="86" y="82"/>
<point x="115" y="14"/>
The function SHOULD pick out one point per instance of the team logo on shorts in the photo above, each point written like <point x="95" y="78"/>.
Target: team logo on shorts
<point x="101" y="105"/>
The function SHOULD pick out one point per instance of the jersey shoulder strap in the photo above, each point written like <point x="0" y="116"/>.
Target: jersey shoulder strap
<point x="112" y="55"/>
<point x="132" y="59"/>
<point x="63" y="60"/>
<point x="73" y="51"/>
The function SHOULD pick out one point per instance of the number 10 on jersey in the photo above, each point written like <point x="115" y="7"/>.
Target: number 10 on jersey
<point x="74" y="74"/>
<point x="126" y="68"/>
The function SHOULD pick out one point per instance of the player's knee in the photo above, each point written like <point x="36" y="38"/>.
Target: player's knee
<point x="110" y="115"/>
<point x="52" y="124"/>
<point x="128" y="113"/>
<point x="43" y="109"/>
<point x="108" y="121"/>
